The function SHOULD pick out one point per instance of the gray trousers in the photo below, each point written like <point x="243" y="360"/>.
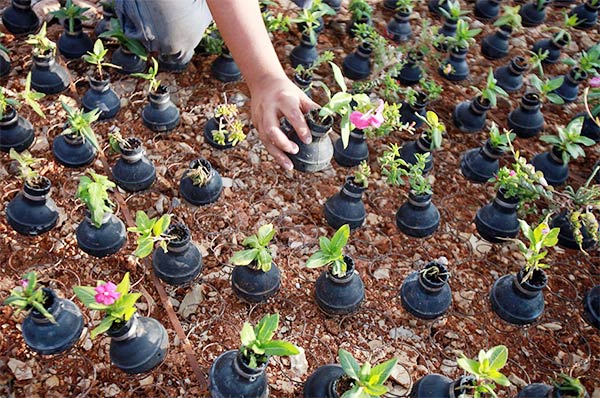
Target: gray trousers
<point x="171" y="27"/>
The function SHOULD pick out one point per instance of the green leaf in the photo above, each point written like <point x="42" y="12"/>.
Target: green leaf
<point x="86" y="294"/>
<point x="102" y="326"/>
<point x="499" y="355"/>
<point x="340" y="238"/>
<point x="339" y="77"/>
<point x="468" y="365"/>
<point x="144" y="248"/>
<point x="161" y="225"/>
<point x="349" y="364"/>
<point x="264" y="259"/>
<point x="375" y="390"/>
<point x="266" y="327"/>
<point x="142" y="221"/>
<point x="124" y="285"/>
<point x="355" y="392"/>
<point x="251" y="241"/>
<point x="265" y="234"/>
<point x="244" y="257"/>
<point x="499" y="378"/>
<point x="247" y="334"/>
<point x="381" y="372"/>
<point x="317" y="260"/>
<point x="280" y="348"/>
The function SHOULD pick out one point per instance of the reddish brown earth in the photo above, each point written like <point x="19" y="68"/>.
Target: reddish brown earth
<point x="260" y="193"/>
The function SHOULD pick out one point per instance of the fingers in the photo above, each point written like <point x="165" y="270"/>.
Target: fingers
<point x="280" y="157"/>
<point x="274" y="135"/>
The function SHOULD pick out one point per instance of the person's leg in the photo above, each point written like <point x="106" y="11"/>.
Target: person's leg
<point x="171" y="27"/>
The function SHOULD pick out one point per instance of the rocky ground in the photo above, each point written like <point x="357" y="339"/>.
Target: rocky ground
<point x="204" y="319"/>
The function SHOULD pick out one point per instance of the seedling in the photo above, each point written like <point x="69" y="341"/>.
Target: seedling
<point x="116" y="140"/>
<point x="454" y="12"/>
<point x="434" y="130"/>
<point x="308" y="19"/>
<point x="150" y="231"/>
<point x="500" y="141"/>
<point x="341" y="104"/>
<point x="42" y="46"/>
<point x="521" y="180"/>
<point x="569" y="140"/>
<point x="492" y="90"/>
<point x="71" y="12"/>
<point x="510" y="17"/>
<point x="405" y="6"/>
<point x="93" y="192"/>
<point x="116" y="32"/>
<point x="150" y="76"/>
<point x="570" y="387"/>
<point x="463" y="38"/>
<point x="394" y="168"/>
<point x="274" y="23"/>
<point x="360" y="10"/>
<point x="545" y="88"/>
<point x="486" y="371"/>
<point x="80" y="124"/>
<point x="230" y="128"/>
<point x="587" y="61"/>
<point x="258" y="344"/>
<point x="580" y="205"/>
<point x="115" y="301"/>
<point x="362" y="174"/>
<point x="307" y="73"/>
<point x="200" y="175"/>
<point x="96" y="58"/>
<point x="28" y="296"/>
<point x="27" y="166"/>
<point x="367" y="381"/>
<point x="331" y="252"/>
<point x="212" y="41"/>
<point x="31" y="98"/>
<point x="536" y="61"/>
<point x="257" y="251"/>
<point x="539" y="238"/>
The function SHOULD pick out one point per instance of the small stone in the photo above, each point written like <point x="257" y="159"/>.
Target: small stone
<point x="298" y="363"/>
<point x="381" y="273"/>
<point x="187" y="118"/>
<point x="517" y="381"/>
<point x="111" y="391"/>
<point x="191" y="301"/>
<point x="52" y="381"/>
<point x="404" y="334"/>
<point x="20" y="369"/>
<point x="400" y="375"/>
<point x="227" y="182"/>
<point x="550" y="326"/>
<point x="87" y="344"/>
<point x="41" y="144"/>
<point x="146" y="381"/>
<point x="253" y="158"/>
<point x="239" y="99"/>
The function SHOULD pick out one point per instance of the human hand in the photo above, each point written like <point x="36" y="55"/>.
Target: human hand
<point x="272" y="99"/>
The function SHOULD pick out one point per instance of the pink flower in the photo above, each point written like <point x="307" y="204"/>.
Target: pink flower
<point x="512" y="173"/>
<point x="364" y="120"/>
<point x="545" y="231"/>
<point x="107" y="293"/>
<point x="24" y="283"/>
<point x="595" y="82"/>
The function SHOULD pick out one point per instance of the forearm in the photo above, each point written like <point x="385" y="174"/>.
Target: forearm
<point x="241" y="25"/>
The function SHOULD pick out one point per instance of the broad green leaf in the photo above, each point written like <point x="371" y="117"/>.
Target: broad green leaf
<point x="247" y="335"/>
<point x="340" y="238"/>
<point x="144" y="249"/>
<point x="468" y="364"/>
<point x="349" y="364"/>
<point x="319" y="259"/>
<point x="381" y="372"/>
<point x="498" y="356"/>
<point x="375" y="390"/>
<point x="265" y="329"/>
<point x="280" y="348"/>
<point x="142" y="220"/>
<point x="161" y="225"/>
<point x="86" y="294"/>
<point x="499" y="378"/>
<point x="102" y="327"/>
<point x="251" y="241"/>
<point x="264" y="259"/>
<point x="124" y="285"/>
<point x="244" y="257"/>
<point x="325" y="245"/>
<point x="355" y="392"/>
<point x="265" y="234"/>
